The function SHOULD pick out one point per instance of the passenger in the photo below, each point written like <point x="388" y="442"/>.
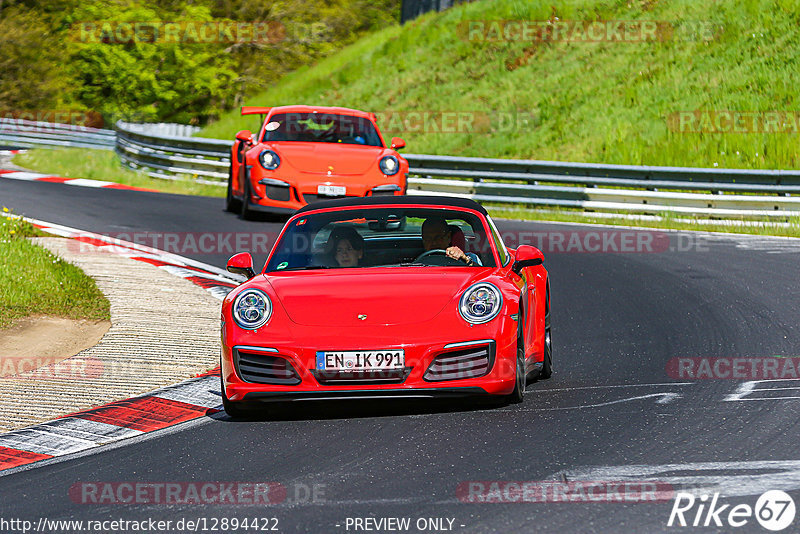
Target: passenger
<point x="346" y="247"/>
<point x="437" y="235"/>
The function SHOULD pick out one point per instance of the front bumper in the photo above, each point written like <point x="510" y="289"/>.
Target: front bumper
<point x="302" y="190"/>
<point x="420" y="354"/>
<point x="420" y="393"/>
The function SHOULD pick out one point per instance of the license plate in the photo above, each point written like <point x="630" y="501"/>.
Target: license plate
<point x="375" y="360"/>
<point x="332" y="190"/>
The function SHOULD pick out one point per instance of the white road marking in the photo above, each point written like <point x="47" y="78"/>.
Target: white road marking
<point x="747" y="388"/>
<point x="768" y="244"/>
<point x="23" y="175"/>
<point x="83" y="182"/>
<point x="730" y="479"/>
<point x="95" y="431"/>
<point x="219" y="292"/>
<point x="65" y="436"/>
<point x="203" y="392"/>
<point x="663" y="398"/>
<point x="618" y="386"/>
<point x="33" y="441"/>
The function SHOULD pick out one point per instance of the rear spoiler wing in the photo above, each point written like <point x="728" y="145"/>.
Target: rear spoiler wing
<point x="254" y="110"/>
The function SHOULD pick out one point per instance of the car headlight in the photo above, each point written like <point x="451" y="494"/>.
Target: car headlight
<point x="480" y="303"/>
<point x="269" y="160"/>
<point x="389" y="165"/>
<point x="251" y="309"/>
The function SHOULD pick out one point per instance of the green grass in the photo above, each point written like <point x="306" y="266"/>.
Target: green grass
<point x="35" y="282"/>
<point x="604" y="102"/>
<point x="105" y="165"/>
<point x="587" y="102"/>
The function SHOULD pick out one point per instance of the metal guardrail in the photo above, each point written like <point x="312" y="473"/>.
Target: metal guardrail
<point x="27" y="134"/>
<point x="595" y="187"/>
<point x="724" y="193"/>
<point x="173" y="157"/>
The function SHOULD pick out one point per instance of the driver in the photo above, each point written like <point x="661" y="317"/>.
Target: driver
<point x="437" y="235"/>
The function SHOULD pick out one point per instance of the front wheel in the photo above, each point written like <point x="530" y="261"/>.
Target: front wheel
<point x="518" y="395"/>
<point x="231" y="204"/>
<point x="246" y="213"/>
<point x="547" y="364"/>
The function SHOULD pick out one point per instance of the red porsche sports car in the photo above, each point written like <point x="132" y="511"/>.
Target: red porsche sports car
<point x="391" y="297"/>
<point x="304" y="154"/>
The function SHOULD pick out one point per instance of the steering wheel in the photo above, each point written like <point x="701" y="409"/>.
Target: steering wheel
<point x="438" y="251"/>
<point x="431" y="253"/>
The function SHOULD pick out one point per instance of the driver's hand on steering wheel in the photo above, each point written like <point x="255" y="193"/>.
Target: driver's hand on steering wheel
<point x="458" y="254"/>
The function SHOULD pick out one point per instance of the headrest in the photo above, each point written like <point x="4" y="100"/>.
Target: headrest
<point x="457" y="238"/>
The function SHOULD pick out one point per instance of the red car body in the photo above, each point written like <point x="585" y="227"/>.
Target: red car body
<point x="313" y="162"/>
<point x="413" y="308"/>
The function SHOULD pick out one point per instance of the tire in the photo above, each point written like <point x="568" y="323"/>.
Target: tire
<point x="547" y="364"/>
<point x="245" y="212"/>
<point x="233" y="409"/>
<point x="518" y="395"/>
<point x="231" y="204"/>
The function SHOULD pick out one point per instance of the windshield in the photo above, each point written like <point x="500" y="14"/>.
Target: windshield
<point x="382" y="237"/>
<point x="321" y="128"/>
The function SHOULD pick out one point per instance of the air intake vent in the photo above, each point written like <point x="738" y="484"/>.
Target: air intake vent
<point x="332" y="378"/>
<point x="261" y="368"/>
<point x="311" y="198"/>
<point x="278" y="193"/>
<point x="470" y="362"/>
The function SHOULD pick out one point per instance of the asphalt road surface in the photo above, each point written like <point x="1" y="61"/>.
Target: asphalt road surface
<point x="614" y="410"/>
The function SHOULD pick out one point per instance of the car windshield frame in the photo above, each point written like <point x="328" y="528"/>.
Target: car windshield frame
<point x="308" y="127"/>
<point x="383" y="236"/>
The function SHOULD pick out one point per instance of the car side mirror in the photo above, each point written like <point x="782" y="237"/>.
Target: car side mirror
<point x="242" y="263"/>
<point x="397" y="143"/>
<point x="527" y="256"/>
<point x="244" y="136"/>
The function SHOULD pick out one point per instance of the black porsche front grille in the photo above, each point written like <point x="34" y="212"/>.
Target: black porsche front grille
<point x="261" y="368"/>
<point x="332" y="378"/>
<point x="470" y="362"/>
<point x="275" y="192"/>
<point x="311" y="198"/>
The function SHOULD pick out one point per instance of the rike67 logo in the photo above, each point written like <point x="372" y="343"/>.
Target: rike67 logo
<point x="774" y="510"/>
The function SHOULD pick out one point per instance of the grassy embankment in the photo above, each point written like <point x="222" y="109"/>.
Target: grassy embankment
<point x="33" y="281"/>
<point x="607" y="101"/>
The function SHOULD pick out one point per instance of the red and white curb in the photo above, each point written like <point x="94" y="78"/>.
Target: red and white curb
<point x="217" y="281"/>
<point x="80" y="431"/>
<point x="81" y="182"/>
<point x="77" y="432"/>
<point x="11" y="152"/>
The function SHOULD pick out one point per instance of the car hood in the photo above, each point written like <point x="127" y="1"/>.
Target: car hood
<point x="386" y="296"/>
<point x="318" y="158"/>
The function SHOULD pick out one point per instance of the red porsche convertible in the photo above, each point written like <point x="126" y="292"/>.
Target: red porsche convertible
<point x="391" y="297"/>
<point x="304" y="154"/>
